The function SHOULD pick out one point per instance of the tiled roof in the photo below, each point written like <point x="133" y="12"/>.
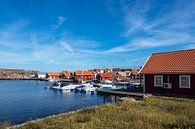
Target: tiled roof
<point x="135" y="72"/>
<point x="83" y="73"/>
<point x="105" y="75"/>
<point x="66" y="73"/>
<point x="52" y="73"/>
<point x="171" y="62"/>
<point x="78" y="72"/>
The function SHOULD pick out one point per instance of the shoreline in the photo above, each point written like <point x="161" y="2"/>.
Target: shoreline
<point x="57" y="115"/>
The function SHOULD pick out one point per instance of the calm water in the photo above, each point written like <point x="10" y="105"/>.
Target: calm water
<point x="22" y="101"/>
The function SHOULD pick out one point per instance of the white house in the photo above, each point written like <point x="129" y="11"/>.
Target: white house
<point x="41" y="75"/>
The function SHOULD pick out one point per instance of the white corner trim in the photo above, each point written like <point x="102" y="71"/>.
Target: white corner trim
<point x="144" y="64"/>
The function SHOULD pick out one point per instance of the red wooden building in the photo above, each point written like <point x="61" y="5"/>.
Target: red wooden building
<point x="104" y="76"/>
<point x="83" y="75"/>
<point x="53" y="75"/>
<point x="170" y="72"/>
<point x="65" y="74"/>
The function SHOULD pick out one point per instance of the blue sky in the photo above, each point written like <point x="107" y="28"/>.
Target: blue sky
<point x="51" y="35"/>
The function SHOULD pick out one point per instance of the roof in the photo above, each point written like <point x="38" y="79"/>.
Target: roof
<point x="53" y="74"/>
<point x="182" y="61"/>
<point x="83" y="73"/>
<point x="135" y="72"/>
<point x="105" y="75"/>
<point x="78" y="72"/>
<point x="66" y="73"/>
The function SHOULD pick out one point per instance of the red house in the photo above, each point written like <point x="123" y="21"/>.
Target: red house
<point x="65" y="74"/>
<point x="170" y="72"/>
<point x="104" y="76"/>
<point x="84" y="76"/>
<point x="53" y="75"/>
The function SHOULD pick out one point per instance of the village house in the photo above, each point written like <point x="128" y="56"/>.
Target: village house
<point x="53" y="75"/>
<point x="128" y="72"/>
<point x="119" y="76"/>
<point x="107" y="70"/>
<point x="83" y="76"/>
<point x="65" y="74"/>
<point x="170" y="73"/>
<point x="104" y="77"/>
<point x="41" y="75"/>
<point x="134" y="74"/>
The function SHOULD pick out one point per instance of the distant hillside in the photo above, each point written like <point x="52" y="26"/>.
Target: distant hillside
<point x="16" y="73"/>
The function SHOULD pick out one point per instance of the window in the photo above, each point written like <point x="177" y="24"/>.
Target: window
<point x="184" y="81"/>
<point x="158" y="80"/>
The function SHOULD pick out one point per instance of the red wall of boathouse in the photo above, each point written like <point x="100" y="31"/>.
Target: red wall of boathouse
<point x="174" y="80"/>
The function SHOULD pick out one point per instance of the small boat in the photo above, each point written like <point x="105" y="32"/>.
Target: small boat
<point x="69" y="88"/>
<point x="80" y="88"/>
<point x="55" y="88"/>
<point x="57" y="83"/>
<point x="88" y="88"/>
<point x="106" y="86"/>
<point x="51" y="80"/>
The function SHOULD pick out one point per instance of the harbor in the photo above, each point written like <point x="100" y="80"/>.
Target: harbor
<point x="25" y="100"/>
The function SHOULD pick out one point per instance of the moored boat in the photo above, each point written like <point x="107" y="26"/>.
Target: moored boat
<point x="69" y="88"/>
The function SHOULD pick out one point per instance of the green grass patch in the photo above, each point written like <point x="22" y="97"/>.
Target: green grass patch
<point x="152" y="113"/>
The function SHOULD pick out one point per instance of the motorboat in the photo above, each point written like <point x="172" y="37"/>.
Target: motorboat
<point x="51" y="80"/>
<point x="55" y="83"/>
<point x="69" y="88"/>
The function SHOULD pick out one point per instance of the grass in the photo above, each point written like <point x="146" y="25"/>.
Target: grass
<point x="152" y="113"/>
<point x="4" y="124"/>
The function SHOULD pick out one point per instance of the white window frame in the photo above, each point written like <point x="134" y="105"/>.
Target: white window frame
<point x="180" y="86"/>
<point x="155" y="76"/>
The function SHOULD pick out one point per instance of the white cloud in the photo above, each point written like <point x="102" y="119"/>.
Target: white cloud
<point x="135" y="15"/>
<point x="172" y="26"/>
<point x="66" y="46"/>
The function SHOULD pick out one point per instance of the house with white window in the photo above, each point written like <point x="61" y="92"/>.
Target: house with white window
<point x="170" y="73"/>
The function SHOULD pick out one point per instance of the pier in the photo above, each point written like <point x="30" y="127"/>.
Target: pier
<point x="119" y="94"/>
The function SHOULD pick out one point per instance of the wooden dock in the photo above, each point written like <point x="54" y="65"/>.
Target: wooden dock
<point x="120" y="94"/>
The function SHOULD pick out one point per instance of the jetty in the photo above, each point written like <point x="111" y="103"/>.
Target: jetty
<point x="119" y="94"/>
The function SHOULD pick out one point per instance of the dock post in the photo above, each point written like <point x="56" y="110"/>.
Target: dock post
<point x="104" y="99"/>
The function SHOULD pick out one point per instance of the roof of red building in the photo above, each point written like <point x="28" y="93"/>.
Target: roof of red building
<point x="105" y="75"/>
<point x="53" y="74"/>
<point x="182" y="61"/>
<point x="83" y="73"/>
<point x="66" y="73"/>
<point x="135" y="72"/>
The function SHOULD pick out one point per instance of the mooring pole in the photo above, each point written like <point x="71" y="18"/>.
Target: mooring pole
<point x="115" y="98"/>
<point x="104" y="99"/>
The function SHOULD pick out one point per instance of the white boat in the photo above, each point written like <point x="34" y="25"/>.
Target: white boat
<point x="69" y="87"/>
<point x="105" y="85"/>
<point x="108" y="81"/>
<point x="51" y="80"/>
<point x="88" y="88"/>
